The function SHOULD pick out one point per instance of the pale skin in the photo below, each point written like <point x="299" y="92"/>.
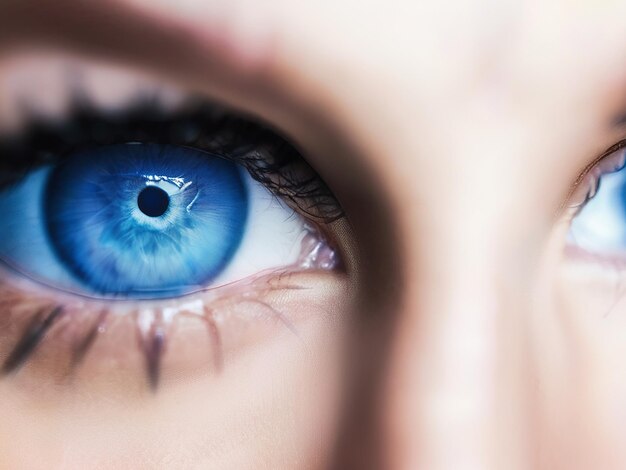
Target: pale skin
<point x="463" y="336"/>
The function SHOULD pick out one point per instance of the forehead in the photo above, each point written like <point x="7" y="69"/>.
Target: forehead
<point x="429" y="43"/>
<point x="378" y="69"/>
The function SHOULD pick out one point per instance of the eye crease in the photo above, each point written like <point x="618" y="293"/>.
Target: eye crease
<point x="154" y="216"/>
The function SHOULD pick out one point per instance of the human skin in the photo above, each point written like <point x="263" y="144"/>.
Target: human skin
<point x="452" y="135"/>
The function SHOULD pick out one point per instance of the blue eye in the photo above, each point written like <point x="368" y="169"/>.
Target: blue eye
<point x="144" y="221"/>
<point x="600" y="226"/>
<point x="145" y="218"/>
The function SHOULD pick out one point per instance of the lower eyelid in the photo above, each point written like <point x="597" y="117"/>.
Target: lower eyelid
<point x="202" y="333"/>
<point x="606" y="261"/>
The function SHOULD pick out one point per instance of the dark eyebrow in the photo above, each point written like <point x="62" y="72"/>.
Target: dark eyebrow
<point x="141" y="37"/>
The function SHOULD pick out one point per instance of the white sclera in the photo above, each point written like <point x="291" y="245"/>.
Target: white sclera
<point x="272" y="237"/>
<point x="24" y="243"/>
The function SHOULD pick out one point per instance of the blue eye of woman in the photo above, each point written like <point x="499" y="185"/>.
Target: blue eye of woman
<point x="600" y="226"/>
<point x="144" y="220"/>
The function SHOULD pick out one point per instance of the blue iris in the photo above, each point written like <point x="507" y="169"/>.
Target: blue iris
<point x="145" y="220"/>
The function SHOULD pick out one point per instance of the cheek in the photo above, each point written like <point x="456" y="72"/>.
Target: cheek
<point x="593" y="319"/>
<point x="273" y="404"/>
<point x="577" y="354"/>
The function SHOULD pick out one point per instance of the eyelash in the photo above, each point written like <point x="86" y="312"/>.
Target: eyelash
<point x="153" y="323"/>
<point x="587" y="184"/>
<point x="266" y="156"/>
<point x="583" y="191"/>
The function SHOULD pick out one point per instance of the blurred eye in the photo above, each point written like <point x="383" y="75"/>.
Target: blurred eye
<point x="599" y="227"/>
<point x="144" y="221"/>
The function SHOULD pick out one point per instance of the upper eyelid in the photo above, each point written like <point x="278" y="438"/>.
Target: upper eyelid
<point x="193" y="58"/>
<point x="216" y="66"/>
<point x="612" y="149"/>
<point x="266" y="155"/>
<point x="589" y="179"/>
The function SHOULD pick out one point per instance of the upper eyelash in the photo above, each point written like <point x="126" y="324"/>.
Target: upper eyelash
<point x="612" y="149"/>
<point x="268" y="158"/>
<point x="588" y="182"/>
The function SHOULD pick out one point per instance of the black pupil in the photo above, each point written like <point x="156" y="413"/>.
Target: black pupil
<point x="153" y="201"/>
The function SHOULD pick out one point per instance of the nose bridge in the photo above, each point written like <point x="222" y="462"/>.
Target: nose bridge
<point x="456" y="371"/>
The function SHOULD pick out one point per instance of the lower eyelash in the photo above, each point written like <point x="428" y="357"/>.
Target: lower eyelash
<point x="82" y="346"/>
<point x="153" y="327"/>
<point x="45" y="315"/>
<point x="33" y="335"/>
